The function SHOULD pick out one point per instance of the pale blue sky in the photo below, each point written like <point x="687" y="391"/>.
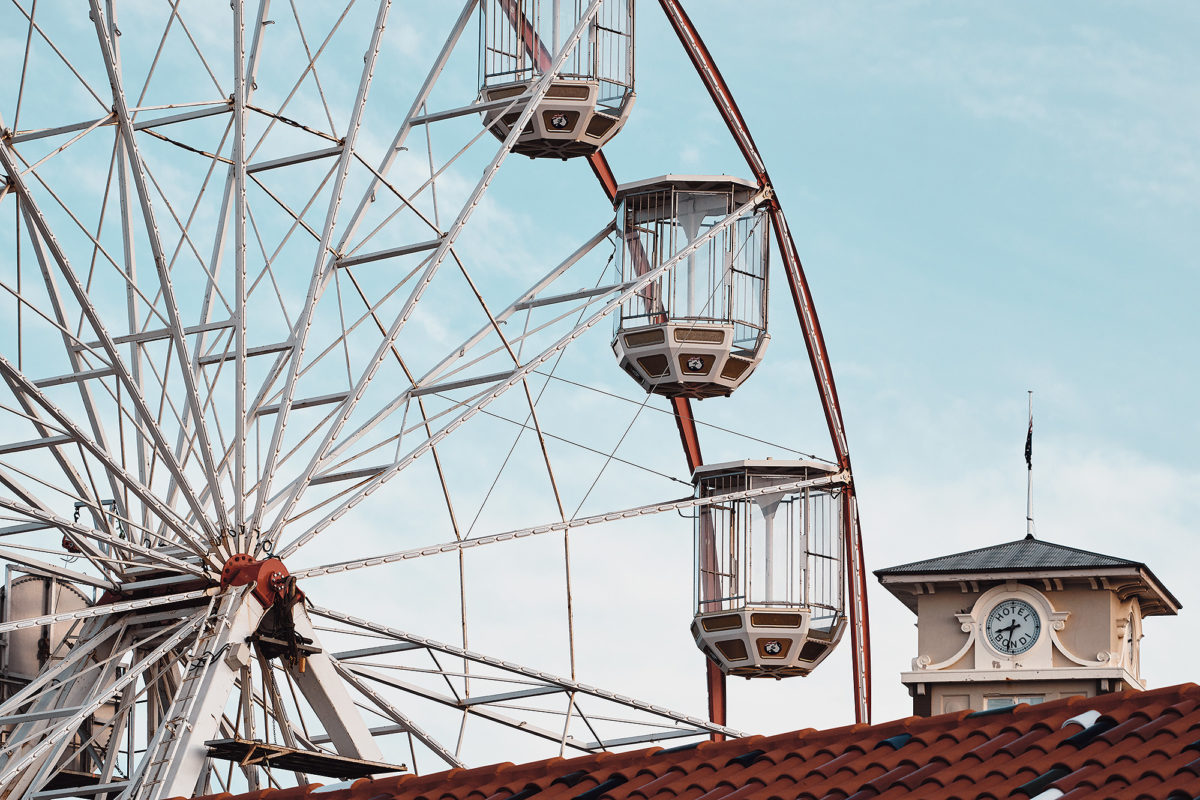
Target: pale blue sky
<point x="988" y="198"/>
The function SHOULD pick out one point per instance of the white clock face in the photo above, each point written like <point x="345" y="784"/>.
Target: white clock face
<point x="1013" y="626"/>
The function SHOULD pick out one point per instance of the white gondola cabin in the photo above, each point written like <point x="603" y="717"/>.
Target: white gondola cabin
<point x="591" y="97"/>
<point x="769" y="568"/>
<point x="700" y="328"/>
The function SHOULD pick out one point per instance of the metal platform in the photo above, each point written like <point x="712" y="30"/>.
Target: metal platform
<point x="251" y="751"/>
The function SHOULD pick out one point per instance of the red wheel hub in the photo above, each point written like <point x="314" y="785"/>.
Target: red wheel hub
<point x="269" y="576"/>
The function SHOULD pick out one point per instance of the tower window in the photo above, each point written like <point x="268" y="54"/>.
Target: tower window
<point x="1005" y="701"/>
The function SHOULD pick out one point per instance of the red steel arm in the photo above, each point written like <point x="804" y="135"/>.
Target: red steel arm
<point x="706" y="67"/>
<point x="690" y="437"/>
<point x="714" y="678"/>
<point x="682" y="406"/>
<point x="529" y="38"/>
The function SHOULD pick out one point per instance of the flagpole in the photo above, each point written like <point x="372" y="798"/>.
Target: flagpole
<point x="1029" y="473"/>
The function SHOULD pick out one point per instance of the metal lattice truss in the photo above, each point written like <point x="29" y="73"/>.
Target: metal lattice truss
<point x="253" y="274"/>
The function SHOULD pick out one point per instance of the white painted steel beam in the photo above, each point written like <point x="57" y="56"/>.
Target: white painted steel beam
<point x="110" y="119"/>
<point x="420" y="391"/>
<point x="536" y="691"/>
<point x="565" y="684"/>
<point x="299" y="158"/>
<point x="394" y="252"/>
<point x="643" y="739"/>
<point x="477" y="405"/>
<point x="102" y="610"/>
<point x="157" y="334"/>
<point x="261" y="350"/>
<point x="683" y="504"/>
<point x="175" y="757"/>
<point x="90" y="790"/>
<point x="26" y="528"/>
<point x="377" y="731"/>
<point x="326" y="693"/>
<point x="348" y="475"/>
<point x="473" y="108"/>
<point x="74" y="377"/>
<point x="384" y="350"/>
<point x="379" y="650"/>
<point x="50" y="713"/>
<point x="33" y="444"/>
<point x="307" y="402"/>
<point x="569" y="296"/>
<point x="57" y="570"/>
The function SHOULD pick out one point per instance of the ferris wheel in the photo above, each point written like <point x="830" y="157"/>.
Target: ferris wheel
<point x="271" y="356"/>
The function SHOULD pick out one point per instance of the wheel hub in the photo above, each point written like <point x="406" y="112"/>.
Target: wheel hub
<point x="276" y="589"/>
<point x="270" y="577"/>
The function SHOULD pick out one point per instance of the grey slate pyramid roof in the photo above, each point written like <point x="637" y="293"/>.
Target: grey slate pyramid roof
<point x="1028" y="553"/>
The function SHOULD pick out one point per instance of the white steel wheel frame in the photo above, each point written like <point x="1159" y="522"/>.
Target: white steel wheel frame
<point x="244" y="296"/>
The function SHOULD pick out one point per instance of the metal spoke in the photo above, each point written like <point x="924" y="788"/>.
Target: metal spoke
<point x="79" y="533"/>
<point x="21" y="383"/>
<point x="68" y="726"/>
<point x="512" y="380"/>
<point x="34" y="26"/>
<point x="109" y="346"/>
<point x="508" y="666"/>
<point x="397" y="716"/>
<point x="321" y="272"/>
<point x="175" y="324"/>
<point x="682" y="504"/>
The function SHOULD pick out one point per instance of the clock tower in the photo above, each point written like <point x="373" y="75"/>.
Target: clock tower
<point x="1024" y="622"/>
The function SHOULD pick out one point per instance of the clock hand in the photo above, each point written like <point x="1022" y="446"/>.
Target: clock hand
<point x="1011" y="631"/>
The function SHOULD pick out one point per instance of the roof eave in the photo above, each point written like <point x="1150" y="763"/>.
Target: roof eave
<point x="1156" y="599"/>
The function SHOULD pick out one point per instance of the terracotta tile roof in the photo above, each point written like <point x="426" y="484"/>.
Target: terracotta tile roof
<point x="1131" y="745"/>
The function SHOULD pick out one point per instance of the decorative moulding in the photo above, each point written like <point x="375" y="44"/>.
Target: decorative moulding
<point x="1039" y="657"/>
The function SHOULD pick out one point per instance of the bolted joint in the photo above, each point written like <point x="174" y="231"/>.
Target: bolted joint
<point x="270" y="577"/>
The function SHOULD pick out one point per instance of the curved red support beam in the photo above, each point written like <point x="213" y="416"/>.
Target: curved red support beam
<point x="682" y="406"/>
<point x="604" y="174"/>
<point x="706" y="68"/>
<point x="690" y="437"/>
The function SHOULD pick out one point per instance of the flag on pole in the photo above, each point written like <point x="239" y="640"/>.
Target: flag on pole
<point x="1029" y="444"/>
